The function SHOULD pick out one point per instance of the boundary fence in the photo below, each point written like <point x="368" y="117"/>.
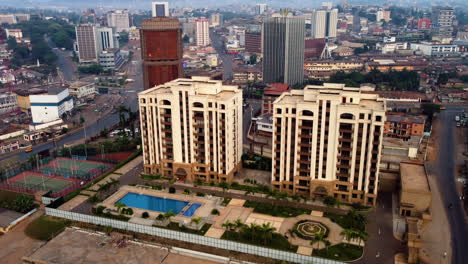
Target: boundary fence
<point x="190" y="238"/>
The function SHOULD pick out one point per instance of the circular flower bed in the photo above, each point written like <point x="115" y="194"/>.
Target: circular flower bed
<point x="306" y="229"/>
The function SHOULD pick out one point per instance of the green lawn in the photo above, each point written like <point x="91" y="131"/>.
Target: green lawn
<point x="274" y="210"/>
<point x="277" y="241"/>
<point x="175" y="226"/>
<point x="341" y="252"/>
<point x="45" y="227"/>
<point x="347" y="222"/>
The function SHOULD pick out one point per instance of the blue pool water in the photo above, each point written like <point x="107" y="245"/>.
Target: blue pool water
<point x="191" y="210"/>
<point x="158" y="204"/>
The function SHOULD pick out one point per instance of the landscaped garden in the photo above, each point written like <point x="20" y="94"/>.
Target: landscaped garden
<point x="307" y="229"/>
<point x="21" y="203"/>
<point x="275" y="210"/>
<point x="260" y="235"/>
<point x="341" y="252"/>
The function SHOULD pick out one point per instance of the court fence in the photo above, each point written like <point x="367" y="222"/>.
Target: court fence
<point x="190" y="238"/>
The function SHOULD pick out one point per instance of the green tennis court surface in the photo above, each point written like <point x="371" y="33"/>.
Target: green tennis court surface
<point x="72" y="167"/>
<point x="42" y="183"/>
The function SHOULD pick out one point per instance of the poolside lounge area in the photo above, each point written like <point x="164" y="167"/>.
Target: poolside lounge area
<point x="206" y="203"/>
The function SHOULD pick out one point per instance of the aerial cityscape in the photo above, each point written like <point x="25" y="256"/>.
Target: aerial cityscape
<point x="135" y="131"/>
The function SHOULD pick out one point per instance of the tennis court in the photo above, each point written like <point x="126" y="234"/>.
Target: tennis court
<point x="39" y="182"/>
<point x="74" y="168"/>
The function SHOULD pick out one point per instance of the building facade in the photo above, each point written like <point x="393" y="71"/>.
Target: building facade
<point x="324" y="23"/>
<point x="283" y="49"/>
<point x="51" y="106"/>
<point x="404" y="125"/>
<point x="202" y="26"/>
<point x="161" y="50"/>
<point x="192" y="129"/>
<point x="261" y="9"/>
<point x="253" y="42"/>
<point x="327" y="140"/>
<point x="8" y="103"/>
<point x="119" y="20"/>
<point x="160" y="9"/>
<point x="92" y="40"/>
<point x="216" y="20"/>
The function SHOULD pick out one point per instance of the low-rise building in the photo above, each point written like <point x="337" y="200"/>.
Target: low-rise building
<point x="6" y="147"/>
<point x="82" y="89"/>
<point x="22" y="96"/>
<point x="316" y="66"/>
<point x="415" y="194"/>
<point x="247" y="74"/>
<point x="111" y="59"/>
<point x="385" y="65"/>
<point x="264" y="124"/>
<point x="404" y="126"/>
<point x="270" y="94"/>
<point x="15" y="33"/>
<point x="51" y="106"/>
<point x="433" y="49"/>
<point x="8" y="103"/>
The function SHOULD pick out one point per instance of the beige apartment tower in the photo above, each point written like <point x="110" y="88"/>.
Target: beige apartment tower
<point x="327" y="141"/>
<point x="192" y="129"/>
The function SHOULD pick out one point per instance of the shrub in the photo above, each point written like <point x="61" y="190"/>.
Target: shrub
<point x="212" y="184"/>
<point x="274" y="210"/>
<point x="247" y="180"/>
<point x="215" y="211"/>
<point x="187" y="191"/>
<point x="234" y="184"/>
<point x="160" y="217"/>
<point x="100" y="209"/>
<point x="201" y="194"/>
<point x="330" y="201"/>
<point x="145" y="215"/>
<point x="171" y="189"/>
<point x="45" y="227"/>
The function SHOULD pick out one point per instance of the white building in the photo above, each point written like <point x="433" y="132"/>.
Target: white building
<point x="82" y="89"/>
<point x="51" y="106"/>
<point x="393" y="47"/>
<point x="261" y="9"/>
<point x="324" y="23"/>
<point x="8" y="103"/>
<point x="119" y="20"/>
<point x="91" y="40"/>
<point x="192" y="129"/>
<point x="203" y="32"/>
<point x="430" y="49"/>
<point x="15" y="33"/>
<point x="327" y="140"/>
<point x="160" y="9"/>
<point x="111" y="59"/>
<point x="212" y="60"/>
<point x="216" y="20"/>
<point x="383" y="15"/>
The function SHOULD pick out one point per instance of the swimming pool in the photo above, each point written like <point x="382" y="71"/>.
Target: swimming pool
<point x="158" y="204"/>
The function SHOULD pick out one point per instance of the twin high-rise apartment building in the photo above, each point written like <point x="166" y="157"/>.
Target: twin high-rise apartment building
<point x="161" y="50"/>
<point x="283" y="49"/>
<point x="192" y="129"/>
<point x="327" y="140"/>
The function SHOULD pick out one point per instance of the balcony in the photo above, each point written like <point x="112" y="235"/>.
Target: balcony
<point x="301" y="161"/>
<point x="198" y="118"/>
<point x="166" y="115"/>
<point x="344" y="148"/>
<point x="343" y="166"/>
<point x="344" y="139"/>
<point x="342" y="130"/>
<point x="305" y="127"/>
<point x="305" y="136"/>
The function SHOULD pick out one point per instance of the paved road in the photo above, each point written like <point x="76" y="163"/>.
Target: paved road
<point x="381" y="246"/>
<point x="218" y="44"/>
<point x="130" y="100"/>
<point x="254" y="106"/>
<point x="64" y="63"/>
<point x="447" y="184"/>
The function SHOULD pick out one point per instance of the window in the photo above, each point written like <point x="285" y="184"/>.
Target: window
<point x="378" y="118"/>
<point x="278" y="110"/>
<point x="361" y="116"/>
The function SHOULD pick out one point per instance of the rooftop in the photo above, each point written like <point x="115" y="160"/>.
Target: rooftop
<point x="413" y="177"/>
<point x="276" y="89"/>
<point x="406" y="118"/>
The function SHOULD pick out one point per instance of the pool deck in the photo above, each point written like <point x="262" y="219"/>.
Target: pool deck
<point x="207" y="203"/>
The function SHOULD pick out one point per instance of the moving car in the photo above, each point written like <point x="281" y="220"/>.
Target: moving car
<point x="28" y="149"/>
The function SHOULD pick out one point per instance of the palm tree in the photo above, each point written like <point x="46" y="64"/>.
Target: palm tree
<point x="327" y="244"/>
<point x="361" y="235"/>
<point x="119" y="206"/>
<point x="318" y="237"/>
<point x="122" y="110"/>
<point x="253" y="229"/>
<point x="238" y="224"/>
<point x="228" y="225"/>
<point x="196" y="220"/>
<point x="267" y="231"/>
<point x="169" y="214"/>
<point x="348" y="234"/>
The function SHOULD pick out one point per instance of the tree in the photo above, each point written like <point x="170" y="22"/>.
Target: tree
<point x="64" y="130"/>
<point x="169" y="214"/>
<point x="318" y="237"/>
<point x="330" y="201"/>
<point x="11" y="43"/>
<point x="224" y="185"/>
<point x="119" y="206"/>
<point x="327" y="244"/>
<point x="253" y="59"/>
<point x="361" y="235"/>
<point x="228" y="225"/>
<point x="82" y="120"/>
<point x="186" y="39"/>
<point x="267" y="232"/>
<point x="91" y="69"/>
<point x="196" y="220"/>
<point x="145" y="215"/>
<point x="348" y="233"/>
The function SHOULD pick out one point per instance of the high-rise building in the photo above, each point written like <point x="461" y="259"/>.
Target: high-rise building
<point x="253" y="38"/>
<point x="161" y="50"/>
<point x="261" y="9"/>
<point x="92" y="40"/>
<point x="203" y="31"/>
<point x="324" y="23"/>
<point x="283" y="49"/>
<point x="424" y="23"/>
<point x="442" y="20"/>
<point x="216" y="20"/>
<point x="192" y="129"/>
<point x="8" y="19"/>
<point x="160" y="9"/>
<point x="119" y="20"/>
<point x="327" y="141"/>
<point x="383" y="15"/>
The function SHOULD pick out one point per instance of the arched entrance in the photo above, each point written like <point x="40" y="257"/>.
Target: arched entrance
<point x="181" y="173"/>
<point x="320" y="191"/>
